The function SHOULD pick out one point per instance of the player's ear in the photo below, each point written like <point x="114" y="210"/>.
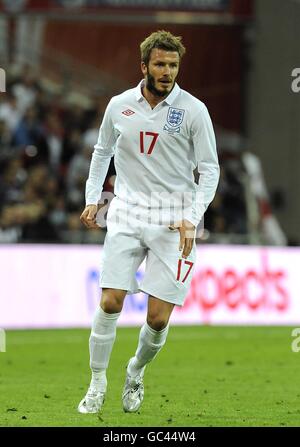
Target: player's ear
<point x="144" y="68"/>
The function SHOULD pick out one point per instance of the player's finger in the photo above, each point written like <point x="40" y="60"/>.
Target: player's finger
<point x="94" y="225"/>
<point x="188" y="245"/>
<point x="83" y="218"/>
<point x="91" y="218"/>
<point x="91" y="222"/>
<point x="182" y="238"/>
<point x="91" y="215"/>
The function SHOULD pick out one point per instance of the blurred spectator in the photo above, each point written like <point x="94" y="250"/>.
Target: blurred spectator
<point x="5" y="140"/>
<point x="74" y="118"/>
<point x="53" y="132"/>
<point x="9" y="112"/>
<point x="29" y="133"/>
<point x="71" y="145"/>
<point x="94" y="114"/>
<point x="90" y="136"/>
<point x="270" y="227"/>
<point x="242" y="204"/>
<point x="25" y="91"/>
<point x="228" y="214"/>
<point x="10" y="226"/>
<point x="12" y="181"/>
<point x="58" y="215"/>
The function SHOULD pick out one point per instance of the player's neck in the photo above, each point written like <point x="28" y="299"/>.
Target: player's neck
<point x="152" y="99"/>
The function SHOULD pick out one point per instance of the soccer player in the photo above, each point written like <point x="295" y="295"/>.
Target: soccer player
<point x="158" y="134"/>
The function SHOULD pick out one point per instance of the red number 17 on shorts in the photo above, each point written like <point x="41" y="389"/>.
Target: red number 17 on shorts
<point x="189" y="263"/>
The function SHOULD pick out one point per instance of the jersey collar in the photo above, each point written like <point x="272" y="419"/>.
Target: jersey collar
<point x="169" y="99"/>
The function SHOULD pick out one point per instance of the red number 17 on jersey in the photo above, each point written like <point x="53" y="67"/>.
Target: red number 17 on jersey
<point x="154" y="136"/>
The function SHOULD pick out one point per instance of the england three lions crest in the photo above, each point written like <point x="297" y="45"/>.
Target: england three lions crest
<point x="174" y="119"/>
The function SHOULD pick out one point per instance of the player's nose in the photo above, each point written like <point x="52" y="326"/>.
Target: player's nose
<point x="167" y="70"/>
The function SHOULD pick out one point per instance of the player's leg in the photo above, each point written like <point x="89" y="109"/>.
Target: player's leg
<point x="103" y="334"/>
<point x="101" y="341"/>
<point x="167" y="277"/>
<point x="153" y="334"/>
<point x="123" y="253"/>
<point x="152" y="338"/>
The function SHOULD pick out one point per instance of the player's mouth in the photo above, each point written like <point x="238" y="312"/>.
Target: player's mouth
<point x="165" y="82"/>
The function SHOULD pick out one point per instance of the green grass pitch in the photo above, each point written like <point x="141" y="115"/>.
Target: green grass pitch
<point x="204" y="376"/>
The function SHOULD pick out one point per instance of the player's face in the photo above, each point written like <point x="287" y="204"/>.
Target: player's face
<point x="161" y="71"/>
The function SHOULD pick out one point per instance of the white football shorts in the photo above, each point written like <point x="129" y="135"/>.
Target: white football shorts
<point x="129" y="240"/>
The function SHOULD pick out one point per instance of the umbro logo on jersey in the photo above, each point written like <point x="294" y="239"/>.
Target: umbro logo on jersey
<point x="128" y="112"/>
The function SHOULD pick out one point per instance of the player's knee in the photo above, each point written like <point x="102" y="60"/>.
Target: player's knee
<point x="110" y="305"/>
<point x="111" y="302"/>
<point x="157" y="322"/>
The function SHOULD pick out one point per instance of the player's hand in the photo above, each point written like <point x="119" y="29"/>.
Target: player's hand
<point x="88" y="217"/>
<point x="187" y="236"/>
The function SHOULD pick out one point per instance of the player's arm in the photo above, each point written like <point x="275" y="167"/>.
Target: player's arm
<point x="206" y="157"/>
<point x="204" y="143"/>
<point x="103" y="151"/>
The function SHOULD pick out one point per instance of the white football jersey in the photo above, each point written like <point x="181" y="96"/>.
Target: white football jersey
<point x="156" y="150"/>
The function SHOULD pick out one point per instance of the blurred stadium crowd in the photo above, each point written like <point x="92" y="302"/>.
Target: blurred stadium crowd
<point x="45" y="149"/>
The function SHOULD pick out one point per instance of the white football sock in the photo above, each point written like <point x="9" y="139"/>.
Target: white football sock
<point x="150" y="343"/>
<point x="101" y="341"/>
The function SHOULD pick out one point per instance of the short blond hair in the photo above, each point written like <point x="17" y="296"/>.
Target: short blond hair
<point x="163" y="40"/>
